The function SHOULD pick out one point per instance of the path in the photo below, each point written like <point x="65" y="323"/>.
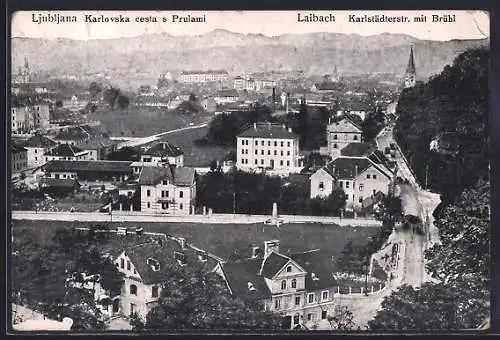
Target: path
<point x="145" y="140"/>
<point x="214" y="218"/>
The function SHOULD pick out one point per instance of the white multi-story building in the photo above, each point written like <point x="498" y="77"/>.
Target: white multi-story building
<point x="266" y="146"/>
<point x="168" y="190"/>
<point x="203" y="76"/>
<point x="29" y="118"/>
<point x="37" y="146"/>
<point x="339" y="134"/>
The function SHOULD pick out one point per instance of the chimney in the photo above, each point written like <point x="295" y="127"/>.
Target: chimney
<point x="255" y="126"/>
<point x="355" y="171"/>
<point x="290" y="129"/>
<point x="164" y="146"/>
<point x="270" y="246"/>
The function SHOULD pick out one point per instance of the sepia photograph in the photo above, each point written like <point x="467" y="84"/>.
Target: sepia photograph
<point x="262" y="172"/>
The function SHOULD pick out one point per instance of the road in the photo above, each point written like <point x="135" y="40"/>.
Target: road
<point x="416" y="201"/>
<point x="152" y="138"/>
<point x="126" y="216"/>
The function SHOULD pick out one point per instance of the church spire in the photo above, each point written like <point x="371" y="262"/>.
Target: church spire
<point x="410" y="74"/>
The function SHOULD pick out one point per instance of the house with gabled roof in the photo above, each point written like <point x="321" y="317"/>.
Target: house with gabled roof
<point x="298" y="286"/>
<point x="167" y="190"/>
<point x="339" y="133"/>
<point x="160" y="154"/>
<point x="66" y="152"/>
<point x="36" y="147"/>
<point x="359" y="177"/>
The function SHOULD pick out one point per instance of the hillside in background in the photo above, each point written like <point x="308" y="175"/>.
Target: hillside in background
<point x="144" y="57"/>
<point x="454" y="106"/>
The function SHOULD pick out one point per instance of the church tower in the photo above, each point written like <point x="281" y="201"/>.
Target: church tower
<point x="410" y="74"/>
<point x="335" y="76"/>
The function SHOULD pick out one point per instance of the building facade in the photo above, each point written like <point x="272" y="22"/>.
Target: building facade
<point x="168" y="190"/>
<point x="203" y="76"/>
<point x="19" y="158"/>
<point x="359" y="177"/>
<point x="268" y="146"/>
<point x="36" y="147"/>
<point x="341" y="133"/>
<point x="25" y="119"/>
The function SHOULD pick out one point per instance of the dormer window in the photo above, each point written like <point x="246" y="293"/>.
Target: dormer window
<point x="314" y="277"/>
<point x="289" y="269"/>
<point x="250" y="286"/>
<point x="165" y="182"/>
<point x="180" y="257"/>
<point x="154" y="264"/>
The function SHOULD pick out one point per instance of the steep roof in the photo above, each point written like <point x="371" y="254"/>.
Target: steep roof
<point x="64" y="150"/>
<point x="239" y="274"/>
<point x="164" y="149"/>
<point x="344" y="125"/>
<point x="39" y="141"/>
<point x="317" y="263"/>
<point x="273" y="264"/>
<point x="268" y="130"/>
<point x="96" y="142"/>
<point x="358" y="149"/>
<point x="410" y="68"/>
<point x="17" y="148"/>
<point x="180" y="176"/>
<point x="349" y="167"/>
<point x="97" y="166"/>
<point x="152" y="175"/>
<point x="74" y="133"/>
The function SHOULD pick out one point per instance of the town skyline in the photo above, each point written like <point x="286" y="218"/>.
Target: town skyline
<point x="468" y="24"/>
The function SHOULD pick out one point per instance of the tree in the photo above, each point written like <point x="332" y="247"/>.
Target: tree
<point x="94" y="89"/>
<point x="350" y="261"/>
<point x="192" y="97"/>
<point x="110" y="95"/>
<point x="342" y="319"/>
<point x="126" y="153"/>
<point x="122" y="102"/>
<point x="191" y="299"/>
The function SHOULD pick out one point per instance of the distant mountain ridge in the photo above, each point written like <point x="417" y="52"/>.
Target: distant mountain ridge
<point x="315" y="53"/>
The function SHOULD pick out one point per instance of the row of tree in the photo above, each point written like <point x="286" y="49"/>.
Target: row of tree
<point x="249" y="193"/>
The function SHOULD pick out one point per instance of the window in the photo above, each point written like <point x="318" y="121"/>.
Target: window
<point x="345" y="137"/>
<point x="128" y="265"/>
<point x="261" y="152"/>
<point x="335" y="137"/>
<point x="289" y="269"/>
<point x="281" y="152"/>
<point x="281" y="162"/>
<point x="335" y="146"/>
<point x="133" y="290"/>
<point x="347" y="184"/>
<point x="294" y="283"/>
<point x="361" y="186"/>
<point x="181" y="194"/>
<point x="275" y="152"/>
<point x="165" y="182"/>
<point x="282" y="143"/>
<point x="341" y="184"/>
<point x="288" y="144"/>
<point x="355" y="137"/>
<point x="309" y="317"/>
<point x="181" y="206"/>
<point x="36" y="158"/>
<point x="148" y="193"/>
<point x="287" y="163"/>
<point x="374" y="176"/>
<point x="360" y="199"/>
<point x="310" y="297"/>
<point x="256" y="143"/>
<point x="122" y="263"/>
<point x="148" y="205"/>
<point x="275" y="143"/>
<point x="261" y="162"/>
<point x="283" y="285"/>
<point x="262" y="143"/>
<point x="256" y="162"/>
<point x="154" y="291"/>
<point x="277" y="304"/>
<point x="288" y="153"/>
<point x="36" y="151"/>
<point x="269" y="143"/>
<point x="297" y="300"/>
<point x="324" y="295"/>
<point x="367" y="175"/>
<point x="321" y="186"/>
<point x="256" y="152"/>
<point x="242" y="142"/>
<point x="323" y="314"/>
<point x="164" y="205"/>
<point x="268" y="152"/>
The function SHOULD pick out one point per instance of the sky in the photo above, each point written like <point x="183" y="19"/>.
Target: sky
<point x="468" y="25"/>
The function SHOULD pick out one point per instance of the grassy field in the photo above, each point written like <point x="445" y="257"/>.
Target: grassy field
<point x="194" y="155"/>
<point x="223" y="240"/>
<point x="141" y="122"/>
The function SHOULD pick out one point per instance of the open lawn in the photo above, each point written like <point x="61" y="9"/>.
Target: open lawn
<point x="224" y="240"/>
<point x="142" y="122"/>
<point x="197" y="156"/>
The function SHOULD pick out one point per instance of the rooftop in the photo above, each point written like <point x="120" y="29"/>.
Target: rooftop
<point x="64" y="150"/>
<point x="57" y="182"/>
<point x="328" y="86"/>
<point x="227" y="93"/>
<point x="164" y="149"/>
<point x="344" y="125"/>
<point x="180" y="176"/>
<point x="95" y="166"/>
<point x="358" y="149"/>
<point x="268" y="130"/>
<point x="347" y="167"/>
<point x="39" y="141"/>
